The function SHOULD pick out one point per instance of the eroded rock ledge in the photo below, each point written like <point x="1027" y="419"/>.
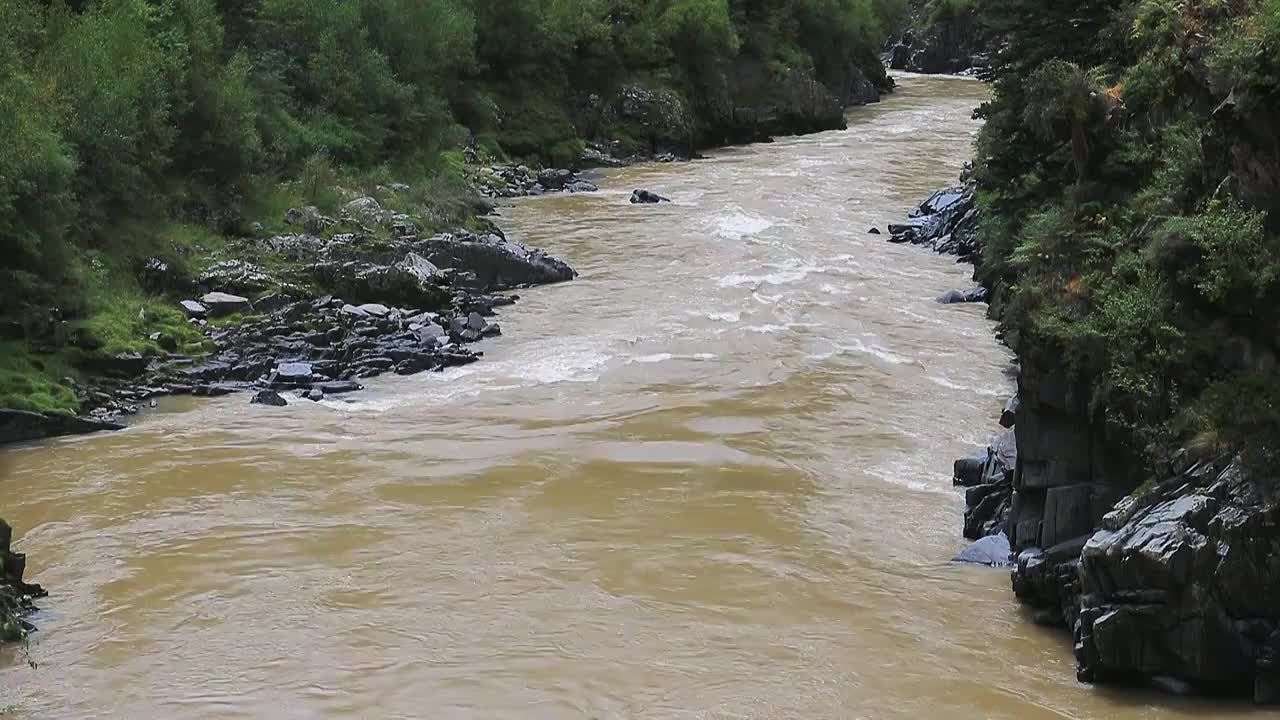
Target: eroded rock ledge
<point x="1169" y="576"/>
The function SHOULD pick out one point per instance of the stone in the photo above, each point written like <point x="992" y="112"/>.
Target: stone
<point x="193" y="309"/>
<point x="22" y="426"/>
<point x="339" y="387"/>
<point x="292" y="373"/>
<point x="476" y="322"/>
<point x="1009" y="417"/>
<point x="645" y="197"/>
<point x="375" y="310"/>
<point x="314" y="395"/>
<point x="220" y="304"/>
<point x="493" y="261"/>
<point x="353" y="311"/>
<point x="992" y="551"/>
<point x="968" y="471"/>
<point x="273" y="302"/>
<point x="365" y="209"/>
<point x="952" y="297"/>
<point x="874" y="231"/>
<point x="268" y="397"/>
<point x="581" y="186"/>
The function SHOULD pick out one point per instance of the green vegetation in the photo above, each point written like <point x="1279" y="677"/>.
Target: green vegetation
<point x="141" y="129"/>
<point x="1127" y="174"/>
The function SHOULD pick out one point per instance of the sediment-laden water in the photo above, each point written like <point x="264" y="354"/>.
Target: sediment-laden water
<point x="708" y="479"/>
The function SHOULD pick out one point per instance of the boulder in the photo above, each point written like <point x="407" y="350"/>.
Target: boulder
<point x="268" y="397"/>
<point x="409" y="282"/>
<point x="992" y="551"/>
<point x="193" y="309"/>
<point x="292" y="373"/>
<point x="365" y="210"/>
<point x="493" y="262"/>
<point x="220" y="304"/>
<point x="238" y="277"/>
<point x="952" y="297"/>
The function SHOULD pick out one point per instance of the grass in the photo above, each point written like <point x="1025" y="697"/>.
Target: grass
<point x="34" y="382"/>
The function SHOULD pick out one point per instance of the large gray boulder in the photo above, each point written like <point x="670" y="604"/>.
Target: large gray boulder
<point x="221" y="304"/>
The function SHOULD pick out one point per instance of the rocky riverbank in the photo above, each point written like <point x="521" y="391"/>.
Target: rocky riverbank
<point x="16" y="595"/>
<point x="1167" y="575"/>
<point x="309" y="315"/>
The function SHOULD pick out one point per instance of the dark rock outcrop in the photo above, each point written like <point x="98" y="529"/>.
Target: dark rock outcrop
<point x="16" y="595"/>
<point x="645" y="197"/>
<point x="1176" y="582"/>
<point x="23" y="426"/>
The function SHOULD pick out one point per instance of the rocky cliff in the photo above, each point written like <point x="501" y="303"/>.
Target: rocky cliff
<point x="1162" y="574"/>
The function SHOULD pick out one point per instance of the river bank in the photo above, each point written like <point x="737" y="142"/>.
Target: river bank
<point x="1171" y="583"/>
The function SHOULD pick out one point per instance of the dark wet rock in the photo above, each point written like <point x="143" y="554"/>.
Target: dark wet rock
<point x="581" y="186"/>
<point x="268" y="397"/>
<point x="952" y="297"/>
<point x="1009" y="417"/>
<point x="23" y="426"/>
<point x="945" y="222"/>
<point x="874" y="231"/>
<point x="16" y="595"/>
<point x="992" y="551"/>
<point x="194" y="309"/>
<point x="339" y="387"/>
<point x="314" y="395"/>
<point x="1187" y="587"/>
<point x="969" y="471"/>
<point x="220" y="304"/>
<point x="495" y="262"/>
<point x="644" y="197"/>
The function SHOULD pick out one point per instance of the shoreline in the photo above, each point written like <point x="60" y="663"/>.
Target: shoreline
<point x="1160" y="585"/>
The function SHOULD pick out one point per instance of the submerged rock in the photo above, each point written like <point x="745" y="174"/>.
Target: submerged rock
<point x="644" y="197"/>
<point x="268" y="397"/>
<point x="992" y="551"/>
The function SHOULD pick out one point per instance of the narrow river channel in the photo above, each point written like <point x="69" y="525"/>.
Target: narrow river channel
<point x="708" y="479"/>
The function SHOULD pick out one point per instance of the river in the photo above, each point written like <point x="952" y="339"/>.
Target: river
<point x="708" y="479"/>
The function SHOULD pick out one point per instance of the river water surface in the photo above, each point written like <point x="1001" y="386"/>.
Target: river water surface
<point x="707" y="479"/>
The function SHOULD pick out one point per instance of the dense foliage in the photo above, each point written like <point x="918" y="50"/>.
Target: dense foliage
<point x="121" y="117"/>
<point x="1128" y="174"/>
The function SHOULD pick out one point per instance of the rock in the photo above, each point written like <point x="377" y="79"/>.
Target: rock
<point x="554" y="179"/>
<point x="268" y="397"/>
<point x="365" y="210"/>
<point x="220" y="304"/>
<point x="23" y="426"/>
<point x="375" y="310"/>
<point x="495" y="262"/>
<point x="164" y="341"/>
<point x="595" y="157"/>
<point x="992" y="551"/>
<point x="874" y="231"/>
<point x="292" y="373"/>
<point x="273" y="302"/>
<point x="969" y="471"/>
<point x="1010" y="415"/>
<point x="952" y="297"/>
<point x="294" y="216"/>
<point x="476" y="322"/>
<point x="580" y="186"/>
<point x="194" y="309"/>
<point x="659" y="119"/>
<point x="639" y="197"/>
<point x="409" y="282"/>
<point x="339" y="387"/>
<point x="238" y="277"/>
<point x="976" y="294"/>
<point x="314" y="395"/>
<point x="353" y="311"/>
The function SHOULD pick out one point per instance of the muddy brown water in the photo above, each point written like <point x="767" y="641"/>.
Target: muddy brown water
<point x="708" y="479"/>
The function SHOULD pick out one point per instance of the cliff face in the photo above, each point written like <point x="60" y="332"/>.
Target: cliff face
<point x="1168" y="573"/>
